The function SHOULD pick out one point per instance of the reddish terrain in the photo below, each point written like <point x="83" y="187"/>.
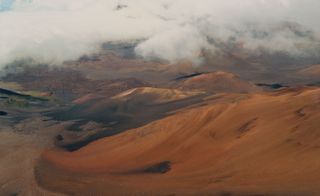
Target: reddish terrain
<point x="265" y="143"/>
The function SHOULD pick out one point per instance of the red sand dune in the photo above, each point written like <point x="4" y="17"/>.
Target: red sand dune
<point x="267" y="143"/>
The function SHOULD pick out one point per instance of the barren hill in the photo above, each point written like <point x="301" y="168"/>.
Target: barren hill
<point x="265" y="143"/>
<point x="218" y="82"/>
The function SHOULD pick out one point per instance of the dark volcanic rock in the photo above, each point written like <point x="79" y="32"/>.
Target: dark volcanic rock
<point x="162" y="167"/>
<point x="189" y="76"/>
<point x="272" y="86"/>
<point x="158" y="168"/>
<point x="12" y="93"/>
<point x="2" y="113"/>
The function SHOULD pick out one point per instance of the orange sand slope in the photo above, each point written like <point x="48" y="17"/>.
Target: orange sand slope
<point x="266" y="143"/>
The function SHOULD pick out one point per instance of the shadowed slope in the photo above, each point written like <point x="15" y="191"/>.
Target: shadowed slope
<point x="129" y="109"/>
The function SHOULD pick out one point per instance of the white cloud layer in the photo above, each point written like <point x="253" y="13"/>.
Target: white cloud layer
<point x="53" y="31"/>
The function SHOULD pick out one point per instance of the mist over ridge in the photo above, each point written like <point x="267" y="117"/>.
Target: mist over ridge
<point x="56" y="31"/>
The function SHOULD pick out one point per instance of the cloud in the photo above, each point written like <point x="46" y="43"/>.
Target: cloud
<point x="180" y="43"/>
<point x="173" y="30"/>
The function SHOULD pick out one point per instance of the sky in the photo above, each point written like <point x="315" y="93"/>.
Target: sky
<point x="6" y="5"/>
<point x="53" y="31"/>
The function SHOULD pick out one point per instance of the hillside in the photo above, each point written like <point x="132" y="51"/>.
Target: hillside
<point x="265" y="143"/>
<point x="218" y="81"/>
